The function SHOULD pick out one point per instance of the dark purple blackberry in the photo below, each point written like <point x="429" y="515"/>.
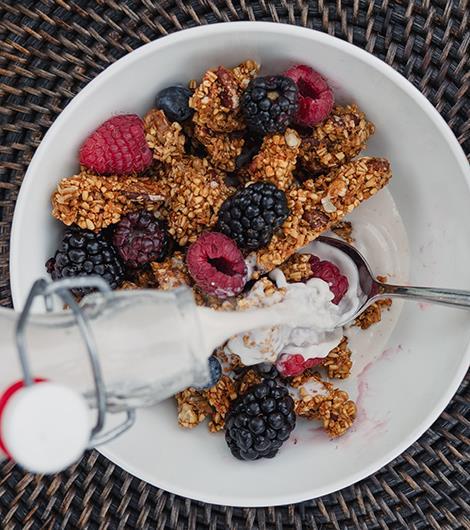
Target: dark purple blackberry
<point x="139" y="239"/>
<point x="251" y="215"/>
<point x="84" y="253"/>
<point x="267" y="371"/>
<point x="269" y="104"/>
<point x="260" y="421"/>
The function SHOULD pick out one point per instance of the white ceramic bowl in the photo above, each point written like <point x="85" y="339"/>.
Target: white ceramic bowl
<point x="403" y="388"/>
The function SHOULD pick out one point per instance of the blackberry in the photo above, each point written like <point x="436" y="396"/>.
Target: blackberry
<point x="267" y="371"/>
<point x="174" y="101"/>
<point x="84" y="253"/>
<point x="251" y="215"/>
<point x="139" y="239"/>
<point x="269" y="104"/>
<point x="260" y="421"/>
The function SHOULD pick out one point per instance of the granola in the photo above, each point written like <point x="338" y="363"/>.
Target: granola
<point x="171" y="273"/>
<point x="372" y="314"/>
<point x="319" y="204"/>
<point x="166" y="139"/>
<point x="338" y="361"/>
<point x="326" y="403"/>
<point x="219" y="398"/>
<point x="297" y="268"/>
<point x="193" y="407"/>
<point x="222" y="148"/>
<point x="344" y="229"/>
<point x="217" y="99"/>
<point x="95" y="202"/>
<point x="337" y="140"/>
<point x="276" y="159"/>
<point x="196" y="190"/>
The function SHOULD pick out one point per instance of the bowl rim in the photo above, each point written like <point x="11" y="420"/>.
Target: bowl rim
<point x="285" y="30"/>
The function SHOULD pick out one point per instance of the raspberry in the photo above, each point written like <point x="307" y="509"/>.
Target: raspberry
<point x="329" y="272"/>
<point x="139" y="239"/>
<point x="290" y="365"/>
<point x="117" y="147"/>
<point x="217" y="265"/>
<point x="315" y="96"/>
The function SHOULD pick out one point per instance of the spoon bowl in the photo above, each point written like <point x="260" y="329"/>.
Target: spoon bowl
<point x="375" y="290"/>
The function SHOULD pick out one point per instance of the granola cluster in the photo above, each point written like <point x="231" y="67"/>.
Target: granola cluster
<point x="331" y="406"/>
<point x="319" y="204"/>
<point x="276" y="160"/>
<point x="216" y="100"/>
<point x="336" y="141"/>
<point x="96" y="202"/>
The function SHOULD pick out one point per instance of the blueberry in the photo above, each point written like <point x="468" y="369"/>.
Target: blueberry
<point x="174" y="101"/>
<point x="215" y="370"/>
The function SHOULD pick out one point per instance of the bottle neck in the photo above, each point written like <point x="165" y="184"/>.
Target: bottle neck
<point x="149" y="343"/>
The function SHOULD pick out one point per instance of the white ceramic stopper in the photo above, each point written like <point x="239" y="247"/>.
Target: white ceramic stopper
<point x="46" y="427"/>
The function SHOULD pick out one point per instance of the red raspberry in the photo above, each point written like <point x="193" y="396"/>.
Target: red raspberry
<point x="117" y="147"/>
<point x="329" y="272"/>
<point x="315" y="96"/>
<point x="217" y="265"/>
<point x="290" y="364"/>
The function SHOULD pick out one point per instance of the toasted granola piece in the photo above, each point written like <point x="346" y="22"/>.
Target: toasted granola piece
<point x="344" y="229"/>
<point x="95" y="202"/>
<point x="144" y="279"/>
<point x="373" y="314"/>
<point x="338" y="361"/>
<point x="217" y="99"/>
<point x="322" y="202"/>
<point x="193" y="407"/>
<point x="297" y="268"/>
<point x="222" y="148"/>
<point x="166" y="139"/>
<point x="336" y="141"/>
<point x="196" y="192"/>
<point x="319" y="400"/>
<point x="171" y="273"/>
<point x="128" y="286"/>
<point x="220" y="396"/>
<point x="229" y="361"/>
<point x="219" y="304"/>
<point x="276" y="159"/>
<point x="248" y="379"/>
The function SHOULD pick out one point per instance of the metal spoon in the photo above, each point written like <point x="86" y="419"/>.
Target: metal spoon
<point x="375" y="290"/>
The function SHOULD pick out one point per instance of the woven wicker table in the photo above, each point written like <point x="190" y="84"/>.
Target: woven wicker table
<point x="49" y="50"/>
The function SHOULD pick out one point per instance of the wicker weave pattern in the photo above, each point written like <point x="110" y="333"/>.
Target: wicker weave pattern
<point x="49" y="50"/>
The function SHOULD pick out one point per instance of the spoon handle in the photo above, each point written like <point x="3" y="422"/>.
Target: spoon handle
<point x="434" y="295"/>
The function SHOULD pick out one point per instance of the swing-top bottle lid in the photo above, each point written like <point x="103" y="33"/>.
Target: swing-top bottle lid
<point x="45" y="427"/>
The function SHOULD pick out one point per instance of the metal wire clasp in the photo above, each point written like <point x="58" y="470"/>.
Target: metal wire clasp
<point x="63" y="289"/>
